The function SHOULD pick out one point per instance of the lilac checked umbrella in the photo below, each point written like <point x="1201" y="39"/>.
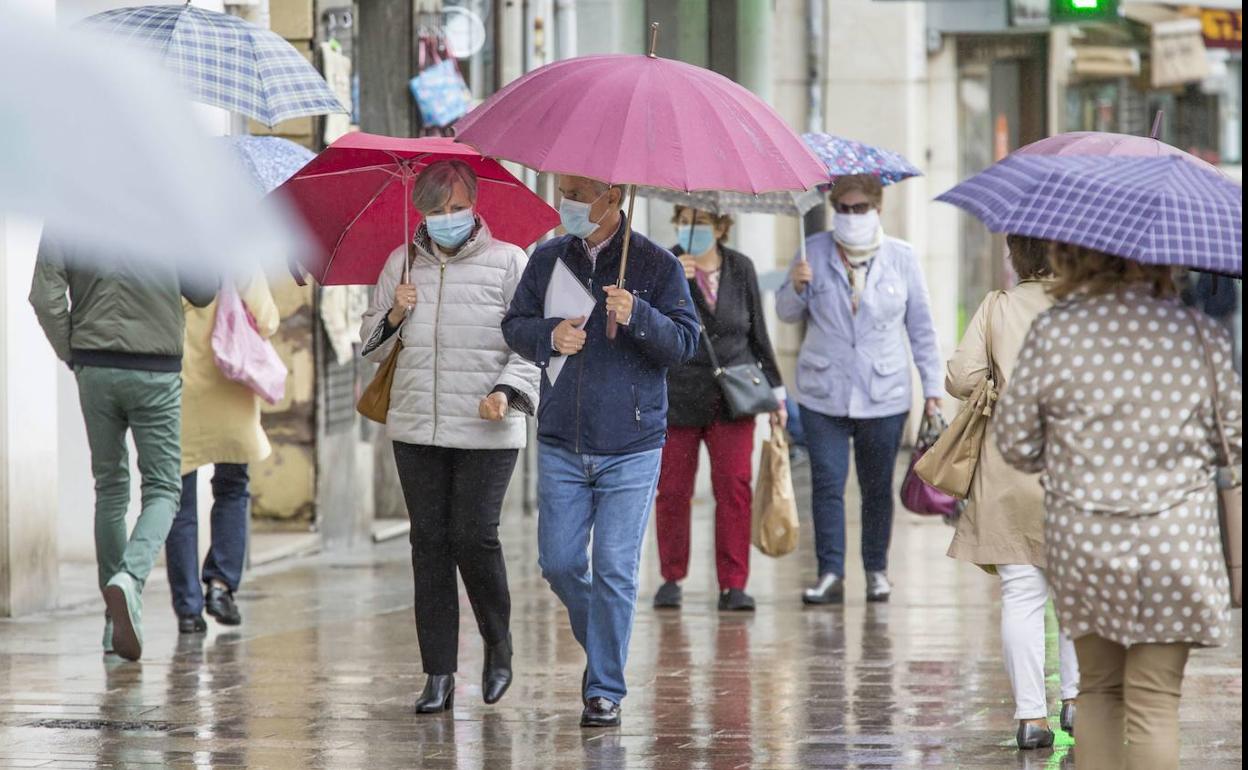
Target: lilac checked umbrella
<point x="845" y="157"/>
<point x="1156" y="210"/>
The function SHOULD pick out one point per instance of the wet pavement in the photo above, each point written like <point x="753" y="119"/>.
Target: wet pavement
<point x="325" y="669"/>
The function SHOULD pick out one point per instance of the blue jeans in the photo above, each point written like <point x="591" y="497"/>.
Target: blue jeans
<point x="875" y="444"/>
<point x="609" y="496"/>
<point x="797" y="435"/>
<point x="230" y="499"/>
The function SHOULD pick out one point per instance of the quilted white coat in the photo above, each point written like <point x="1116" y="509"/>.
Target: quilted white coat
<point x="453" y="349"/>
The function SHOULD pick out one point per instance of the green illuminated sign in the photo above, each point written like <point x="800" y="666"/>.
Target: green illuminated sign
<point x="1074" y="11"/>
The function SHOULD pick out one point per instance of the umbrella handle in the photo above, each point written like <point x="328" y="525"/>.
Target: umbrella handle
<point x="613" y="323"/>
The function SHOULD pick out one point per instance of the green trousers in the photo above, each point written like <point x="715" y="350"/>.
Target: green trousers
<point x="149" y="406"/>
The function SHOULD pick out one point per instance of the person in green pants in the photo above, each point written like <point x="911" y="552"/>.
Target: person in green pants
<point x="119" y="324"/>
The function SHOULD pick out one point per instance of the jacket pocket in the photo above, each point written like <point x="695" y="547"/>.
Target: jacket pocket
<point x="888" y="379"/>
<point x="813" y="375"/>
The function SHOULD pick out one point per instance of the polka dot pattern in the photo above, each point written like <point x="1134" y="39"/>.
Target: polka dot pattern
<point x="1140" y="579"/>
<point x="1111" y="401"/>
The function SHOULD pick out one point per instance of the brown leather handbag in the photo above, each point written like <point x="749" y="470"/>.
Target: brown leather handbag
<point x="1230" y="487"/>
<point x="374" y="402"/>
<point x="950" y="463"/>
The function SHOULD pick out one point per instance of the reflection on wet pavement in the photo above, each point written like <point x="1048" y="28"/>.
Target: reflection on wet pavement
<point x="325" y="669"/>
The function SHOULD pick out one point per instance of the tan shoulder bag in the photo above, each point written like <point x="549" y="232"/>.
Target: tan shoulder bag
<point x="950" y="463"/>
<point x="374" y="402"/>
<point x="1230" y="486"/>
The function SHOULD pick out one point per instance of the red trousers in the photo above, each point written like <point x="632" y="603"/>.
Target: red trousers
<point x="731" y="445"/>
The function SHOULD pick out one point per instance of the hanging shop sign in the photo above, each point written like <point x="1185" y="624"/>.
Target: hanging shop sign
<point x="1222" y="28"/>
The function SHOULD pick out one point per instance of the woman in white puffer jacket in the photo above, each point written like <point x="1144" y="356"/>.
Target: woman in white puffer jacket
<point x="457" y="419"/>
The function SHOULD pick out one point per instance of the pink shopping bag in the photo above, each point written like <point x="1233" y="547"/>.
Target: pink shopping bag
<point x="241" y="353"/>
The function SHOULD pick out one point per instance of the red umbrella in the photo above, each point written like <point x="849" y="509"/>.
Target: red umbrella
<point x="356" y="198"/>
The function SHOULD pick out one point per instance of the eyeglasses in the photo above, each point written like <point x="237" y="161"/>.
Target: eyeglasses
<point x="857" y="208"/>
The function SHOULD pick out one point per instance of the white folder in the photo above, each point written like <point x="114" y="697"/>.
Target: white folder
<point x="566" y="297"/>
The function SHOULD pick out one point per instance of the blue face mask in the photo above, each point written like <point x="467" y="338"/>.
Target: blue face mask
<point x="575" y="216"/>
<point x="451" y="230"/>
<point x="695" y="239"/>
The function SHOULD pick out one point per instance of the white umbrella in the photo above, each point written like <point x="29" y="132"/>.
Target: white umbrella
<point x="99" y="145"/>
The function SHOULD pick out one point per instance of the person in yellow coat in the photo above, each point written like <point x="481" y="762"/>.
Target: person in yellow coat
<point x="220" y="427"/>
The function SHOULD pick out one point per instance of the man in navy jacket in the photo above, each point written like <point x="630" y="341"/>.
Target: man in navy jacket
<point x="602" y="424"/>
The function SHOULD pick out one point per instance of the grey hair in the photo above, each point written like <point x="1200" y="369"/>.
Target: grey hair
<point x="436" y="183"/>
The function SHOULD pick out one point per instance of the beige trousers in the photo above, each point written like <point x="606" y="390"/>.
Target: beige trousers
<point x="1128" y="704"/>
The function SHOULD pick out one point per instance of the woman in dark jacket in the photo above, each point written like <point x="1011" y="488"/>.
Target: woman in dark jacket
<point x="725" y="291"/>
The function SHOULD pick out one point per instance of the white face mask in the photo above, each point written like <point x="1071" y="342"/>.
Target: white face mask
<point x="856" y="230"/>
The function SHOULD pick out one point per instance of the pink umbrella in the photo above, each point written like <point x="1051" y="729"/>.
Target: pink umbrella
<point x="356" y="199"/>
<point x="642" y="120"/>
<point x="1103" y="143"/>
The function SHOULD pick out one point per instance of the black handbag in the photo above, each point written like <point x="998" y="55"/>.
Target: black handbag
<point x="745" y="387"/>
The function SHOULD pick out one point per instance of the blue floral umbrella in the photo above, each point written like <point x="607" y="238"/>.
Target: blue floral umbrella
<point x="270" y="160"/>
<point x="845" y="157"/>
<point x="225" y="61"/>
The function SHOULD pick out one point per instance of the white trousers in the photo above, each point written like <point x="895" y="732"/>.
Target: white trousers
<point x="1024" y="595"/>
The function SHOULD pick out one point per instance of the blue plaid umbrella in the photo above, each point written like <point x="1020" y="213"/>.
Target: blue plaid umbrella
<point x="1156" y="210"/>
<point x="225" y="61"/>
<point x="845" y="157"/>
<point x="270" y="160"/>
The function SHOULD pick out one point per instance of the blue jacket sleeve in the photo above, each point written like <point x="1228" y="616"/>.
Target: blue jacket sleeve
<point x="922" y="331"/>
<point x="666" y="328"/>
<point x="525" y="328"/>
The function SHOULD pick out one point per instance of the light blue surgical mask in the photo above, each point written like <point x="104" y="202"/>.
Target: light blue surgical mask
<point x="575" y="216"/>
<point x="695" y="239"/>
<point x="451" y="230"/>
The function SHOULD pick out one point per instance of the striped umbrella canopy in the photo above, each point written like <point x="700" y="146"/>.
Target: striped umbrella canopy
<point x="1160" y="210"/>
<point x="225" y="61"/>
<point x="846" y="157"/>
<point x="792" y="204"/>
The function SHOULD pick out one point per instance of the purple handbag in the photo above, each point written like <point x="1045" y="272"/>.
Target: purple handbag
<point x="917" y="495"/>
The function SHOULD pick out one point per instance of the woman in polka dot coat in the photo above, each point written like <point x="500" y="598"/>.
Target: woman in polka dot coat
<point x="1112" y="401"/>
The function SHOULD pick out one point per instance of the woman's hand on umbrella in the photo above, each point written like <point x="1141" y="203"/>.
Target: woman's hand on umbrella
<point x="569" y="338"/>
<point x="801" y="275"/>
<point x="493" y="407"/>
<point x="690" y="264"/>
<point x="404" y="300"/>
<point x="620" y="302"/>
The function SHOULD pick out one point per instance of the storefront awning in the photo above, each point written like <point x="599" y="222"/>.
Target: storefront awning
<point x="1105" y="61"/>
<point x="1177" y="51"/>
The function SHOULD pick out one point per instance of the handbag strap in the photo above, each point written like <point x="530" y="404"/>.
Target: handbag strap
<point x="1217" y="401"/>
<point x="992" y="363"/>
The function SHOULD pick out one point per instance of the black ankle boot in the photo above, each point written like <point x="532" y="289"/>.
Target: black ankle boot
<point x="439" y="694"/>
<point x="496" y="674"/>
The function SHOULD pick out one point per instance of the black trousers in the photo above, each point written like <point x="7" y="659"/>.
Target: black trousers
<point x="454" y="499"/>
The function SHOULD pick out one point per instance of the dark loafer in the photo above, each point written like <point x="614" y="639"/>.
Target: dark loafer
<point x="191" y="624"/>
<point x="496" y="676"/>
<point x="668" y="596"/>
<point x="438" y="695"/>
<point x="601" y="712"/>
<point x="735" y="600"/>
<point x="220" y="604"/>
<point x="1033" y="736"/>
<point x="1068" y="717"/>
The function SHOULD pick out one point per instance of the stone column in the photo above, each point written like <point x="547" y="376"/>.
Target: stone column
<point x="28" y="427"/>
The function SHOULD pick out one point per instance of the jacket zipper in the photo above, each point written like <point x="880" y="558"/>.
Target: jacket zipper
<point x="437" y="319"/>
<point x="580" y="376"/>
<point x="636" y="409"/>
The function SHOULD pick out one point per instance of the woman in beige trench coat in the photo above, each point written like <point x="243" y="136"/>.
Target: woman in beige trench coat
<point x="220" y="427"/>
<point x="1002" y="528"/>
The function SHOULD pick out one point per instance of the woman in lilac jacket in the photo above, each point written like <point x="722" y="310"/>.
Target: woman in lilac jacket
<point x="862" y="296"/>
